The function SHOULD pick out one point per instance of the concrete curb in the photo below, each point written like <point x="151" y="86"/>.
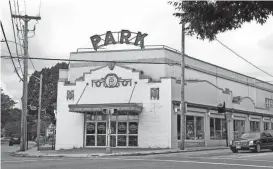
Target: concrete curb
<point x="38" y="154"/>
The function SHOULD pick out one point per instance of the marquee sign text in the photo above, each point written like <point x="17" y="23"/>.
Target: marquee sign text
<point x="122" y="37"/>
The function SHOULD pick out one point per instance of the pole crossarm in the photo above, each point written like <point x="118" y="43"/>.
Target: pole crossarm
<point x="26" y="17"/>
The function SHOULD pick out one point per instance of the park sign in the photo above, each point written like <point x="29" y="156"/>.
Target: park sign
<point x="122" y="37"/>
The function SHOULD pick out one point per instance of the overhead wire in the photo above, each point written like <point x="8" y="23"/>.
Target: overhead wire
<point x="10" y="51"/>
<point x="243" y="58"/>
<point x="15" y="37"/>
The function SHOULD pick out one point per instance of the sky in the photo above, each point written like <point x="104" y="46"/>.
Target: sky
<point x="66" y="25"/>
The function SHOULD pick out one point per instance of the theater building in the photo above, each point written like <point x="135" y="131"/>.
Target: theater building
<point x="146" y="98"/>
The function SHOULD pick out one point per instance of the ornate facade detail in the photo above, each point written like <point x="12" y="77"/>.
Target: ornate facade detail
<point x="111" y="80"/>
<point x="70" y="95"/>
<point x="154" y="93"/>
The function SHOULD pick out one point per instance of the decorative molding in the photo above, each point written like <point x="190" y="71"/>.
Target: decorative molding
<point x="70" y="95"/>
<point x="111" y="80"/>
<point x="154" y="93"/>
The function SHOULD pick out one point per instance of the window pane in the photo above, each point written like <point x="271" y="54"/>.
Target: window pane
<point x="266" y="126"/>
<point x="122" y="127"/>
<point x="122" y="140"/>
<point x="133" y="128"/>
<point x="199" y="128"/>
<point x="254" y="126"/>
<point x="90" y="117"/>
<point x="101" y="117"/>
<point x="178" y="126"/>
<point x="90" y="128"/>
<point x="101" y="140"/>
<point x="113" y="141"/>
<point x="212" y="131"/>
<point x="238" y="128"/>
<point x="113" y="127"/>
<point x="218" y="130"/>
<point x="101" y="129"/>
<point x="190" y="130"/>
<point x="113" y="118"/>
<point x="133" y="117"/>
<point x="90" y="140"/>
<point x="122" y="117"/>
<point x="224" y="134"/>
<point x="133" y="141"/>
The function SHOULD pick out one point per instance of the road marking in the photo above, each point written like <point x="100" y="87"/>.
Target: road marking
<point x="226" y="158"/>
<point x="256" y="155"/>
<point x="31" y="160"/>
<point x="187" y="161"/>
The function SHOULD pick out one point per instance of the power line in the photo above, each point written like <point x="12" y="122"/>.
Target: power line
<point x="94" y="61"/>
<point x="242" y="57"/>
<point x="10" y="52"/>
<point x="14" y="36"/>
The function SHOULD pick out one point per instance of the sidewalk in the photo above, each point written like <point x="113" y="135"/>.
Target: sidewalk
<point x="100" y="152"/>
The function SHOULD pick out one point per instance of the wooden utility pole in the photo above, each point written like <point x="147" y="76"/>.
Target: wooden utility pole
<point x="182" y="104"/>
<point x="26" y="19"/>
<point x="39" y="113"/>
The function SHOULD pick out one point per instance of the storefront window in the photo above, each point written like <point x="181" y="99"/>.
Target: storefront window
<point x="266" y="126"/>
<point x="217" y="129"/>
<point x="124" y="130"/>
<point x="122" y="127"/>
<point x="254" y="126"/>
<point x="121" y="140"/>
<point x="194" y="128"/>
<point x="238" y="128"/>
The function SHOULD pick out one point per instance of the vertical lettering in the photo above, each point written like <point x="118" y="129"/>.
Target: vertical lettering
<point x="95" y="41"/>
<point x="109" y="38"/>
<point x="124" y="37"/>
<point x="140" y="38"/>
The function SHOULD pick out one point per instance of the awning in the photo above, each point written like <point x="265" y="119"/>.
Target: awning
<point x="130" y="107"/>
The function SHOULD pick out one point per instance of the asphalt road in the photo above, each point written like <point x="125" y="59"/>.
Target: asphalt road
<point x="223" y="159"/>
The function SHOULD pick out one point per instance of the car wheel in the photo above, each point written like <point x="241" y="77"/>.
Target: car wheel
<point x="234" y="151"/>
<point x="10" y="144"/>
<point x="258" y="148"/>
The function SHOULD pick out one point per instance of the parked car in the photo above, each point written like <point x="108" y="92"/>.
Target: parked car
<point x="15" y="139"/>
<point x="254" y="141"/>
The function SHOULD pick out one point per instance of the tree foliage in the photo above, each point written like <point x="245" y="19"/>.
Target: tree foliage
<point x="49" y="91"/>
<point x="7" y="105"/>
<point x="207" y="19"/>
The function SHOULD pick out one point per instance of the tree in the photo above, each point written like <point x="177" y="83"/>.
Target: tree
<point x="13" y="126"/>
<point x="7" y="105"/>
<point x="49" y="91"/>
<point x="207" y="19"/>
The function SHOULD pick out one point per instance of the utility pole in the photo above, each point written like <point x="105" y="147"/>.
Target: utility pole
<point x="26" y="19"/>
<point x="39" y="113"/>
<point x="182" y="104"/>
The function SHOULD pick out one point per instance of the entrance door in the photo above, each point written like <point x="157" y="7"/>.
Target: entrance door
<point x="101" y="133"/>
<point x="96" y="133"/>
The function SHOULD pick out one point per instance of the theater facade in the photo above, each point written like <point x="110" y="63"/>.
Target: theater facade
<point x="145" y="99"/>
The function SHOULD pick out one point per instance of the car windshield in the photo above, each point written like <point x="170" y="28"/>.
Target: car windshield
<point x="250" y="135"/>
